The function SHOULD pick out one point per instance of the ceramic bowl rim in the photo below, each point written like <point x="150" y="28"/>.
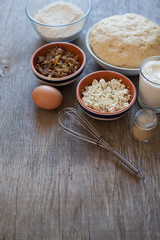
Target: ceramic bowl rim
<point x="62" y="78"/>
<point x="106" y="113"/>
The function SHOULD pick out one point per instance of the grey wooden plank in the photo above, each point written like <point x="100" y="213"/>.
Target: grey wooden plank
<point x="56" y="187"/>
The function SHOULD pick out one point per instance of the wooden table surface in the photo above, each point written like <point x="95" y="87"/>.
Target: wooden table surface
<point x="55" y="187"/>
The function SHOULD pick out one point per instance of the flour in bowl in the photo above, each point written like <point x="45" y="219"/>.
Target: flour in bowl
<point x="59" y="13"/>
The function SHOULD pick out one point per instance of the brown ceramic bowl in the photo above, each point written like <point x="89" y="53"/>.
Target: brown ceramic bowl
<point x="42" y="51"/>
<point x="107" y="76"/>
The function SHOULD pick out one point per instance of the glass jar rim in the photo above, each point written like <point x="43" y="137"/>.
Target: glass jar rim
<point x="146" y="112"/>
<point x="147" y="60"/>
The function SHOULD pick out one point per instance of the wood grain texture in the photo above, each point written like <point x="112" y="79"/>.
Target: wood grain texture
<point x="55" y="187"/>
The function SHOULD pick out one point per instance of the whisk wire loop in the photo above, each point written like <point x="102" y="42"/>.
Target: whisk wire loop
<point x="72" y="132"/>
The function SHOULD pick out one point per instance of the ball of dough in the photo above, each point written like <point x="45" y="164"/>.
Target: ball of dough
<point x="125" y="40"/>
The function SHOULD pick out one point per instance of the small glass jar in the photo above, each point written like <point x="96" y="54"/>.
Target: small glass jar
<point x="144" y="125"/>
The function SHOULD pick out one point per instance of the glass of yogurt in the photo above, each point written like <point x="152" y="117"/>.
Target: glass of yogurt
<point x="149" y="84"/>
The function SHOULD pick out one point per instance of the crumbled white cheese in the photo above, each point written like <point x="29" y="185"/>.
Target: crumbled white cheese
<point x="106" y="96"/>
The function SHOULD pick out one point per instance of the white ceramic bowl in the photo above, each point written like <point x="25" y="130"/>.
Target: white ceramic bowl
<point x="65" y="32"/>
<point x="107" y="66"/>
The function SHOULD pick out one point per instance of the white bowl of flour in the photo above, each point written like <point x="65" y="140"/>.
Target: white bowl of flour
<point x="58" y="21"/>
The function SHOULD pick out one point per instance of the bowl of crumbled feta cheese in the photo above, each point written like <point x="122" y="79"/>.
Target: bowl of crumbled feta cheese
<point x="106" y="95"/>
<point x="58" y="20"/>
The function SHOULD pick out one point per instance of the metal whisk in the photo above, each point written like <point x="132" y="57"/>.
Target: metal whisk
<point x="76" y="125"/>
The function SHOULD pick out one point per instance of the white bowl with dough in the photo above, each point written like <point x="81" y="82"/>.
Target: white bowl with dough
<point x="58" y="20"/>
<point x="107" y="66"/>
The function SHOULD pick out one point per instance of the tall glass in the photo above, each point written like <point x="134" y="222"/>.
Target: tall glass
<point x="149" y="84"/>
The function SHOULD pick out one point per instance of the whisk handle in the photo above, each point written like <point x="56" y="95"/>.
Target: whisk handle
<point x="125" y="161"/>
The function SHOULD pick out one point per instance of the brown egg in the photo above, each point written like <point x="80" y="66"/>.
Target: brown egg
<point x="47" y="97"/>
